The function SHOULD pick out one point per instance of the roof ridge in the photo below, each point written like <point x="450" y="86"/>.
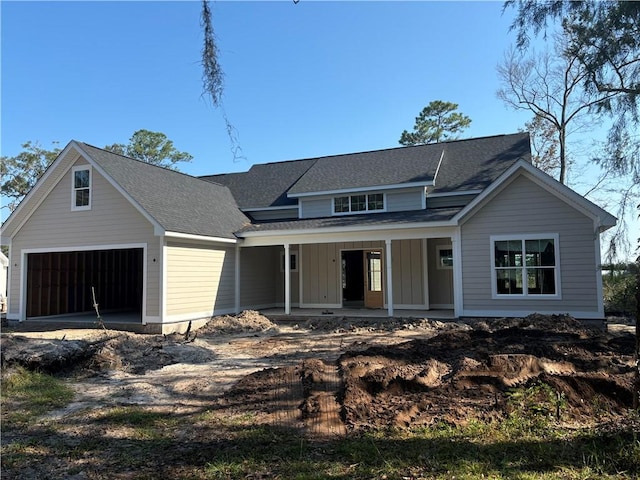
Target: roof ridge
<point x="166" y="169"/>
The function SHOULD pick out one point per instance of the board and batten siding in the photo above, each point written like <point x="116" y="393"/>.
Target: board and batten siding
<point x="440" y="279"/>
<point x="523" y="207"/>
<point x="112" y="220"/>
<point x="200" y="280"/>
<point x="321" y="266"/>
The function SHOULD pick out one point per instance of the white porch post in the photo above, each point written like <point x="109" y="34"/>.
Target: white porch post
<point x="389" y="278"/>
<point x="287" y="280"/>
<point x="458" y="305"/>
<point x="237" y="280"/>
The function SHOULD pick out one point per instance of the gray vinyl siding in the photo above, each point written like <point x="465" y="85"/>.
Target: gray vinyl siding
<point x="406" y="200"/>
<point x="440" y="280"/>
<point x="316" y="208"/>
<point x="258" y="267"/>
<point x="449" y="201"/>
<point x="525" y="208"/>
<point x="200" y="279"/>
<point x="112" y="220"/>
<point x="280" y="214"/>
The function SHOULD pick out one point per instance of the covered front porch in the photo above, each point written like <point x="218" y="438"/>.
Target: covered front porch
<point x="401" y="273"/>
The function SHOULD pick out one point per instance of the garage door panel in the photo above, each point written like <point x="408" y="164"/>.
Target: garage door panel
<point x="60" y="283"/>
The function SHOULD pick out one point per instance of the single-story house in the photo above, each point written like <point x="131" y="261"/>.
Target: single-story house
<point x="466" y="225"/>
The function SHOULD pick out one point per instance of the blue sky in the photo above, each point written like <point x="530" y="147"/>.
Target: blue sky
<point x="301" y="80"/>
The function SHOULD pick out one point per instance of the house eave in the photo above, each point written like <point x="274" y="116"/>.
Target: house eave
<point x="371" y="188"/>
<point x="200" y="238"/>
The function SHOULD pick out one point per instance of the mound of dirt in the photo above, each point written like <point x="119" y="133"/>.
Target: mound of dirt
<point x="344" y="324"/>
<point x="550" y="366"/>
<point x="247" y="321"/>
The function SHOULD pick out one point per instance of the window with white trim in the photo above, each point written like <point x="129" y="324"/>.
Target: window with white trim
<point x="361" y="203"/>
<point x="525" y="266"/>
<point x="444" y="255"/>
<point x="81" y="188"/>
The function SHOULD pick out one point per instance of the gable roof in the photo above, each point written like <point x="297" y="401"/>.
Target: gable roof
<point x="178" y="202"/>
<point x="475" y="163"/>
<point x="453" y="166"/>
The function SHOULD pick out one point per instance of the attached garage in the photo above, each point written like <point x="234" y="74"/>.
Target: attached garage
<point x="61" y="283"/>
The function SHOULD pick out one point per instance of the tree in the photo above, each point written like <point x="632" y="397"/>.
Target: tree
<point x="544" y="145"/>
<point x="604" y="37"/>
<point x="21" y="172"/>
<point x="151" y="147"/>
<point x="549" y="85"/>
<point x="438" y="121"/>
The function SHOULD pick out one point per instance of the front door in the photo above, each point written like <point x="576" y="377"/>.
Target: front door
<point x="373" y="296"/>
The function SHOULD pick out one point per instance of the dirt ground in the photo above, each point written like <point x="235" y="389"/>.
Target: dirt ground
<point x="329" y="376"/>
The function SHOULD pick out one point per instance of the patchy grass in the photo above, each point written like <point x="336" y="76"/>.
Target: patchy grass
<point x="27" y="395"/>
<point x="144" y="443"/>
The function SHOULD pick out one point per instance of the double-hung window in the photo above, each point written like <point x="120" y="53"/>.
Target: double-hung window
<point x="81" y="188"/>
<point x="361" y="203"/>
<point x="525" y="266"/>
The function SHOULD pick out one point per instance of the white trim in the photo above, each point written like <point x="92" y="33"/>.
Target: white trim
<point x="455" y="194"/>
<point x="300" y="276"/>
<point x="237" y="279"/>
<point x="80" y="168"/>
<point x="389" y="267"/>
<point x="435" y="176"/>
<point x="24" y="253"/>
<point x="359" y="212"/>
<point x="371" y="188"/>
<point x="351" y="229"/>
<point x="523" y="313"/>
<point x="423" y="199"/>
<point x="287" y="279"/>
<point x="458" y="293"/>
<point x="202" y="238"/>
<point x="525" y="295"/>
<point x="164" y="279"/>
<point x="260" y="209"/>
<point x="598" y="262"/>
<point x="425" y="273"/>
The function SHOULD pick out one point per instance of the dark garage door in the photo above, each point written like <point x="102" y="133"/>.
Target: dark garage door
<point x="60" y="283"/>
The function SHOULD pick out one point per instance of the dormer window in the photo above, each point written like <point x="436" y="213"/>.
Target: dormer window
<point x="81" y="188"/>
<point x="359" y="203"/>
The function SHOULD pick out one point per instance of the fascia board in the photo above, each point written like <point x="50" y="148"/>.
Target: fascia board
<point x="372" y="188"/>
<point x="200" y="238"/>
<point x="157" y="227"/>
<point x="371" y="228"/>
<point x="62" y="156"/>
<point x="260" y="209"/>
<point x="454" y="194"/>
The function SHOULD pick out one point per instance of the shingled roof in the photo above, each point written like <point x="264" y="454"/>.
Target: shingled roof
<point x="178" y="202"/>
<point x="456" y="165"/>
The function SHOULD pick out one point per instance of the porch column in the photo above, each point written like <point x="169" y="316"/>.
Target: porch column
<point x="237" y="280"/>
<point x="389" y="278"/>
<point x="287" y="280"/>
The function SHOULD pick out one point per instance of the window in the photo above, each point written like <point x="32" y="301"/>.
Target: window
<point x="444" y="257"/>
<point x="81" y="188"/>
<point x="525" y="266"/>
<point x="359" y="203"/>
<point x="293" y="261"/>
